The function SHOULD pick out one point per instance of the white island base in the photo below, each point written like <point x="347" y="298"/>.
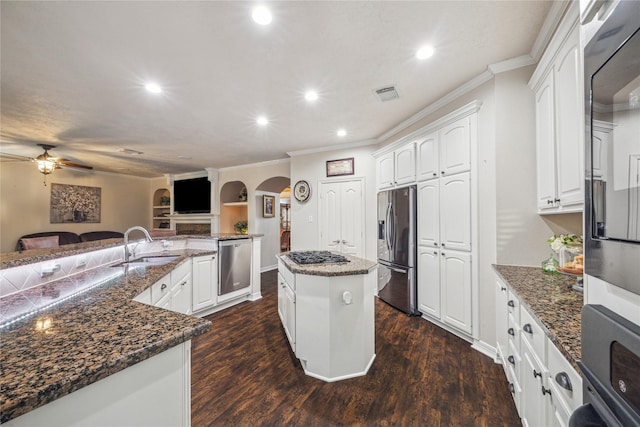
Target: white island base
<point x="330" y="321"/>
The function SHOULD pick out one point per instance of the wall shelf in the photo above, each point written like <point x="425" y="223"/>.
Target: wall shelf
<point x="235" y="204"/>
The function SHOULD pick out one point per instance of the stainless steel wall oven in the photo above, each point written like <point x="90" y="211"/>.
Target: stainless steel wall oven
<point x="612" y="202"/>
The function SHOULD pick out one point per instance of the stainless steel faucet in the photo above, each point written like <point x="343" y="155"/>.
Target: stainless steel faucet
<point x="126" y="240"/>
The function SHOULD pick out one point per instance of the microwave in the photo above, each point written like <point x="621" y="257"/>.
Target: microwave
<point x="612" y="175"/>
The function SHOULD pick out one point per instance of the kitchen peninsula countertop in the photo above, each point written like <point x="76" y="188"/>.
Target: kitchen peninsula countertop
<point x="91" y="336"/>
<point x="353" y="267"/>
<point x="551" y="299"/>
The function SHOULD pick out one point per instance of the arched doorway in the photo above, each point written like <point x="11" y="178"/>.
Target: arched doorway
<point x="233" y="207"/>
<point x="272" y="226"/>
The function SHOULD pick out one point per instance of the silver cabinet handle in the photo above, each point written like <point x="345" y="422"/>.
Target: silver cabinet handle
<point x="563" y="381"/>
<point x="163" y="287"/>
<point x="527" y="328"/>
<point x="511" y="303"/>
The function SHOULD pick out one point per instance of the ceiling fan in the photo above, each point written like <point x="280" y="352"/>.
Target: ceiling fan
<point x="48" y="163"/>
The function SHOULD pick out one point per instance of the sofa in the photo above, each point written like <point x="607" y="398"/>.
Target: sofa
<point x="51" y="239"/>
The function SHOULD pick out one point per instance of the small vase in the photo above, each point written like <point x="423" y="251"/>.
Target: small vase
<point x="79" y="216"/>
<point x="550" y="264"/>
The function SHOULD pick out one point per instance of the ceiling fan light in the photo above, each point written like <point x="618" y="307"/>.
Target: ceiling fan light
<point x="45" y="165"/>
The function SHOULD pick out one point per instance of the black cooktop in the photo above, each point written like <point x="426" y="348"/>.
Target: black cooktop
<point x="315" y="257"/>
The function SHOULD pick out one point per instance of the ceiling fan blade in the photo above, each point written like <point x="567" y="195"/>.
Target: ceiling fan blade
<point x="68" y="164"/>
<point x="17" y="157"/>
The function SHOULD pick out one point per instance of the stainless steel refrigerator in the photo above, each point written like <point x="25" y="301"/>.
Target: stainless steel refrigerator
<point x="397" y="283"/>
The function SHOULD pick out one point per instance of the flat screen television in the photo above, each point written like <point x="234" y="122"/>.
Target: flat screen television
<point x="192" y="196"/>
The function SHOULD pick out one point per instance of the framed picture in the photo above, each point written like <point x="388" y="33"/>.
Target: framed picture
<point x="340" y="167"/>
<point x="75" y="203"/>
<point x="268" y="206"/>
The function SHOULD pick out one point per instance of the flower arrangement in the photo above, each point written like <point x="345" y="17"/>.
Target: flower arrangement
<point x="241" y="227"/>
<point x="571" y="243"/>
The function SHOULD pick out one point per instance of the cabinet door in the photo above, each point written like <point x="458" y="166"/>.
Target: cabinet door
<point x="290" y="317"/>
<point x="455" y="212"/>
<point x="205" y="282"/>
<point x="164" y="302"/>
<point x="569" y="128"/>
<point x="545" y="144"/>
<point x="429" y="213"/>
<point x="455" y="148"/>
<point x="405" y="164"/>
<point x="385" y="171"/>
<point x="181" y="296"/>
<point x="427" y="155"/>
<point x="350" y="211"/>
<point x="429" y="281"/>
<point x="502" y="320"/>
<point x="534" y="404"/>
<point x="455" y="279"/>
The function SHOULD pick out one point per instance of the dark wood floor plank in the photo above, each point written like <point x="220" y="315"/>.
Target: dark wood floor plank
<point x="244" y="374"/>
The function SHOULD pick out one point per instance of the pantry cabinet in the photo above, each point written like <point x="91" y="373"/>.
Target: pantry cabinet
<point x="558" y="88"/>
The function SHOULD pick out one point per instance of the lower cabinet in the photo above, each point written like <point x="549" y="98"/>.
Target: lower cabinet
<point x="444" y="287"/>
<point x="287" y="309"/>
<point x="172" y="292"/>
<point x="546" y="388"/>
<point x="205" y="282"/>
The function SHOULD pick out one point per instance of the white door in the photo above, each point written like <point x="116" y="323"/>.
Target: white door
<point x="342" y="217"/>
<point x="545" y="144"/>
<point x="455" y="278"/>
<point x="454" y="148"/>
<point x="205" y="281"/>
<point x="429" y="281"/>
<point x="455" y="212"/>
<point x="427" y="155"/>
<point x="429" y="213"/>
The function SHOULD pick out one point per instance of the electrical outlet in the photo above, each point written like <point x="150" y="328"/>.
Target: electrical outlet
<point x="81" y="261"/>
<point x="310" y="218"/>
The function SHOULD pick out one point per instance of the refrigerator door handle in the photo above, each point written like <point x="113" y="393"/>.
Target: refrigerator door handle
<point x="392" y="224"/>
<point x="397" y="270"/>
<point x="387" y="228"/>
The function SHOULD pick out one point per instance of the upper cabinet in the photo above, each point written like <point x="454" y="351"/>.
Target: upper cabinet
<point x="445" y="152"/>
<point x="558" y="87"/>
<point x="397" y="167"/>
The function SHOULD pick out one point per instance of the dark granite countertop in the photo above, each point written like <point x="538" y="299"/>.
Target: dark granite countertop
<point x="353" y="267"/>
<point x="91" y="336"/>
<point x="551" y="299"/>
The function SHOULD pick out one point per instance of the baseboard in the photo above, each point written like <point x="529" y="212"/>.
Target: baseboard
<point x="486" y="349"/>
<point x="448" y="328"/>
<point x="268" y="268"/>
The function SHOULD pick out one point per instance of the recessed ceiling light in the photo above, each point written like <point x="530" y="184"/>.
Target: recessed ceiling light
<point x="261" y="15"/>
<point x="425" y="52"/>
<point x="311" y="95"/>
<point x="262" y="121"/>
<point x="153" y="87"/>
<point x="341" y="132"/>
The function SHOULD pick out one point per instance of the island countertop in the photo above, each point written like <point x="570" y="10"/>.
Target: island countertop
<point x="90" y="336"/>
<point x="551" y="299"/>
<point x="353" y="267"/>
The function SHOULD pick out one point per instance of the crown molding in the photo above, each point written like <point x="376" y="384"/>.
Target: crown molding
<point x="253" y="165"/>
<point x="556" y="12"/>
<point x="511" y="64"/>
<point x="333" y="147"/>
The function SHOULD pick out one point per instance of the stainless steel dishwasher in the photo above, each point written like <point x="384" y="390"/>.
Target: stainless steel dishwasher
<point x="235" y="266"/>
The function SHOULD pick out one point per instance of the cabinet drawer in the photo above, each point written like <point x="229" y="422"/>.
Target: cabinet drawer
<point x="513" y="331"/>
<point x="161" y="288"/>
<point x="513" y="306"/>
<point x="560" y="373"/>
<point x="532" y="333"/>
<point x="178" y="274"/>
<point x="287" y="275"/>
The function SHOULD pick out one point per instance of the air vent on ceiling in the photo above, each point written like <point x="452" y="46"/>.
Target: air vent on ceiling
<point x="388" y="93"/>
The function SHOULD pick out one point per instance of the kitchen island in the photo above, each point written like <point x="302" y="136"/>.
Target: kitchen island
<point x="327" y="311"/>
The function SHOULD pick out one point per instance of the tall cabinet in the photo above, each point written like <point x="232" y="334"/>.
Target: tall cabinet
<point x="445" y="152"/>
<point x="557" y="84"/>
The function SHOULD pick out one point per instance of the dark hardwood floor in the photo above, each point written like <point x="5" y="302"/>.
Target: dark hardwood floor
<point x="244" y="374"/>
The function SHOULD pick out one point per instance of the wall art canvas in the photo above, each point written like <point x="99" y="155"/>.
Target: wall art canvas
<point x="75" y="203"/>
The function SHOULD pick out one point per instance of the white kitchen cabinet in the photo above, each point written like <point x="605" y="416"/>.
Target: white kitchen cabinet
<point x="565" y="385"/>
<point x="181" y="296"/>
<point x="535" y="406"/>
<point x="455" y="279"/>
<point x="444" y="287"/>
<point x="557" y="85"/>
<point x="427" y="156"/>
<point x="160" y="289"/>
<point x="429" y="281"/>
<point x="287" y="310"/>
<point x="445" y="152"/>
<point x="144" y="297"/>
<point x="342" y="217"/>
<point x="502" y="339"/>
<point x="444" y="212"/>
<point x="397" y="167"/>
<point x="601" y="136"/>
<point x="205" y="282"/>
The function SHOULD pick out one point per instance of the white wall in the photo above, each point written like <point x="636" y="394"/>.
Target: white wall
<point x="25" y="201"/>
<point x="305" y="233"/>
<point x="270" y="227"/>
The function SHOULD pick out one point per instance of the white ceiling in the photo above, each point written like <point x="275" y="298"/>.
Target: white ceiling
<point x="72" y="74"/>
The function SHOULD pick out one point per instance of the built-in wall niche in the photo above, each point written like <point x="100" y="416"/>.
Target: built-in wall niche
<point x="161" y="208"/>
<point x="234" y="205"/>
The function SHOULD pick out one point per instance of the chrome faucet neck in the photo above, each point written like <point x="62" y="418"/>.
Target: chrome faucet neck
<point x="126" y="239"/>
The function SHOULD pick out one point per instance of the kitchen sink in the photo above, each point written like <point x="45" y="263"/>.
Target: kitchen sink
<point x="148" y="261"/>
